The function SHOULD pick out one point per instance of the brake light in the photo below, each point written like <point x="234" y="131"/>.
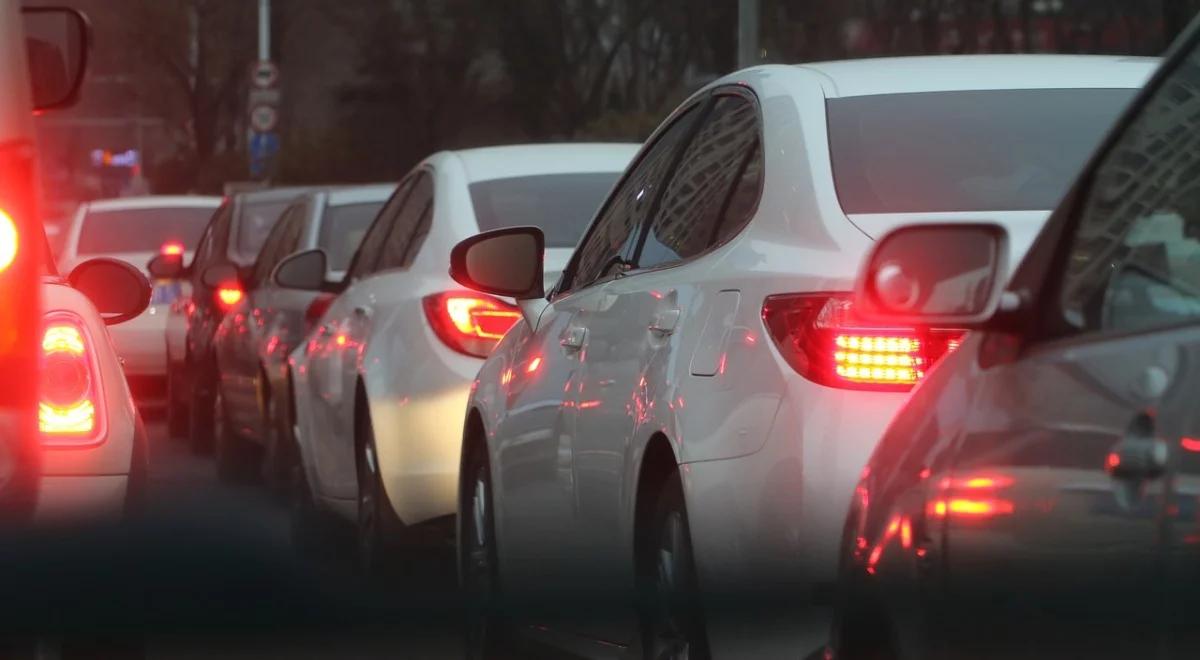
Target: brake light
<point x="317" y="308"/>
<point x="823" y="341"/>
<point x="172" y="249"/>
<point x="470" y="323"/>
<point x="228" y="296"/>
<point x="69" y="410"/>
<point x="8" y="241"/>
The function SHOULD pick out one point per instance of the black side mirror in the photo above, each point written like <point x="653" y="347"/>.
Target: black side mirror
<point x="224" y="274"/>
<point x="118" y="290"/>
<point x="504" y="262"/>
<point x="57" y="40"/>
<point x="945" y="274"/>
<point x="302" y="270"/>
<point x="166" y="267"/>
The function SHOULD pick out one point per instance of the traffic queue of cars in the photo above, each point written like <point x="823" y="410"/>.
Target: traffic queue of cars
<point x="648" y="379"/>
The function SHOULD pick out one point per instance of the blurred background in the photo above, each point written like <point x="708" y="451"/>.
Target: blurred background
<point x="365" y="88"/>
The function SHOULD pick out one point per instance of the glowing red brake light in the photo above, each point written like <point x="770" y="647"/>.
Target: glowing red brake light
<point x="470" y="323"/>
<point x="8" y="241"/>
<point x="823" y="341"/>
<point x="228" y="296"/>
<point x="171" y="249"/>
<point x="69" y="410"/>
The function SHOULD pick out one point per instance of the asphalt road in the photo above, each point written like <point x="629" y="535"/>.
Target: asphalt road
<point x="241" y="591"/>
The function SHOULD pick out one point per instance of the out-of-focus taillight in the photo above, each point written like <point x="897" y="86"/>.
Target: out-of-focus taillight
<point x="172" y="249"/>
<point x="317" y="308"/>
<point x="8" y="241"/>
<point x="820" y="337"/>
<point x="470" y="323"/>
<point x="69" y="406"/>
<point x="228" y="296"/>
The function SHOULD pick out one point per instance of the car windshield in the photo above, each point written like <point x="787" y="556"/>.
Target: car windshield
<point x="117" y="231"/>
<point x="561" y="205"/>
<point x="255" y="220"/>
<point x="343" y="228"/>
<point x="992" y="150"/>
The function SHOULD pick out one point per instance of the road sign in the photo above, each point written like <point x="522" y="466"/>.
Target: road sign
<point x="264" y="75"/>
<point x="264" y="118"/>
<point x="263" y="147"/>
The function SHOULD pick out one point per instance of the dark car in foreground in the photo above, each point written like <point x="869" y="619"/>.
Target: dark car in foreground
<point x="1039" y="495"/>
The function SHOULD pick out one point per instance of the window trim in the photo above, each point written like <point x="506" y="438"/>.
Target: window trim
<point x="402" y="188"/>
<point x="725" y="90"/>
<point x="1044" y="278"/>
<point x="409" y="259"/>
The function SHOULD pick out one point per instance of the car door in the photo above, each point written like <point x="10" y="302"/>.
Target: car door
<point x="633" y="345"/>
<point x="205" y="314"/>
<point x="333" y="367"/>
<point x="1064" y="527"/>
<point x="535" y="468"/>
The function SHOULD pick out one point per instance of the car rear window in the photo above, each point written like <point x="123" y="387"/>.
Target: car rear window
<point x="141" y="230"/>
<point x="992" y="150"/>
<point x="343" y="228"/>
<point x="254" y="223"/>
<point x="561" y="205"/>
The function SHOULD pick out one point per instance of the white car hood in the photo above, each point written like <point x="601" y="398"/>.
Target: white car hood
<point x="1022" y="226"/>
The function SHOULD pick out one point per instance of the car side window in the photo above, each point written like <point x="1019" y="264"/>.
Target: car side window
<point x="209" y="249"/>
<point x="367" y="257"/>
<point x="273" y="248"/>
<point x="611" y="238"/>
<point x="1134" y="261"/>
<point x="405" y="229"/>
<point x="713" y="190"/>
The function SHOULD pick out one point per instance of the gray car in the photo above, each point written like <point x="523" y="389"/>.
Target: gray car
<point x="252" y="342"/>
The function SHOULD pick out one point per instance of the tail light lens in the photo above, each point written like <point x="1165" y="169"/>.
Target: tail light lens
<point x="228" y="296"/>
<point x="8" y="241"/>
<point x="823" y="341"/>
<point x="470" y="323"/>
<point x="317" y="308"/>
<point x="69" y="407"/>
<point x="172" y="249"/>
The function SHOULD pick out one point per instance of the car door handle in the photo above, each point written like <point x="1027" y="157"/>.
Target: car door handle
<point x="664" y="322"/>
<point x="1138" y="459"/>
<point x="573" y="338"/>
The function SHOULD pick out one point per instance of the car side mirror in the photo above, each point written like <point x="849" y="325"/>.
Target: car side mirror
<point x="303" y="270"/>
<point x="117" y="289"/>
<point x="221" y="274"/>
<point x="939" y="274"/>
<point x="503" y="262"/>
<point x="166" y="267"/>
<point x="57" y="41"/>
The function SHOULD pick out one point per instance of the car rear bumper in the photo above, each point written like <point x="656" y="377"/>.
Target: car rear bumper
<point x="86" y="499"/>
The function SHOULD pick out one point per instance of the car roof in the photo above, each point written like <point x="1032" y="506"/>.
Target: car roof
<point x="154" y="202"/>
<point x="900" y="75"/>
<point x="512" y="161"/>
<point x="276" y="194"/>
<point x="378" y="192"/>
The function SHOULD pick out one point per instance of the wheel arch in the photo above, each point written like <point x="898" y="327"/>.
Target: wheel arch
<point x="658" y="462"/>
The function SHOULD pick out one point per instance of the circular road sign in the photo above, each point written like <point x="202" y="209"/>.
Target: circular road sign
<point x="264" y="75"/>
<point x="264" y="118"/>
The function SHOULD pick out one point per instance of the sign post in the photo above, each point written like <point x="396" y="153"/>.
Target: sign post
<point x="264" y="117"/>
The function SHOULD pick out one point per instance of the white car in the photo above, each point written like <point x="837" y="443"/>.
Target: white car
<point x="135" y="229"/>
<point x="687" y="412"/>
<point x="380" y="387"/>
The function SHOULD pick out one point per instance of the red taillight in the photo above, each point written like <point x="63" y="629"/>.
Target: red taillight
<point x="317" y="308"/>
<point x="171" y="249"/>
<point x="69" y="410"/>
<point x="470" y="323"/>
<point x="228" y="296"/>
<point x="8" y="241"/>
<point x="823" y="341"/>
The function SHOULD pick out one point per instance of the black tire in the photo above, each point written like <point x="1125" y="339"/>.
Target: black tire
<point x="279" y="452"/>
<point x="487" y="631"/>
<point x="237" y="460"/>
<point x="672" y="619"/>
<point x="377" y="537"/>
<point x="177" y="409"/>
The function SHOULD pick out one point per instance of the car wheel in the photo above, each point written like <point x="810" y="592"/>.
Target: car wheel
<point x="236" y="459"/>
<point x="376" y="523"/>
<point x="279" y="452"/>
<point x="672" y="621"/>
<point x="177" y="410"/>
<point x="486" y="630"/>
<point x="200" y="421"/>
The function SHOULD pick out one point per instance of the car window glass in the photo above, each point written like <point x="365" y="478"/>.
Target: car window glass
<point x="212" y="244"/>
<point x="609" y="241"/>
<point x="117" y="231"/>
<point x="367" y="256"/>
<point x="1134" y="261"/>
<point x="697" y="201"/>
<point x="342" y="229"/>
<point x="272" y="249"/>
<point x="418" y="238"/>
<point x="406" y="226"/>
